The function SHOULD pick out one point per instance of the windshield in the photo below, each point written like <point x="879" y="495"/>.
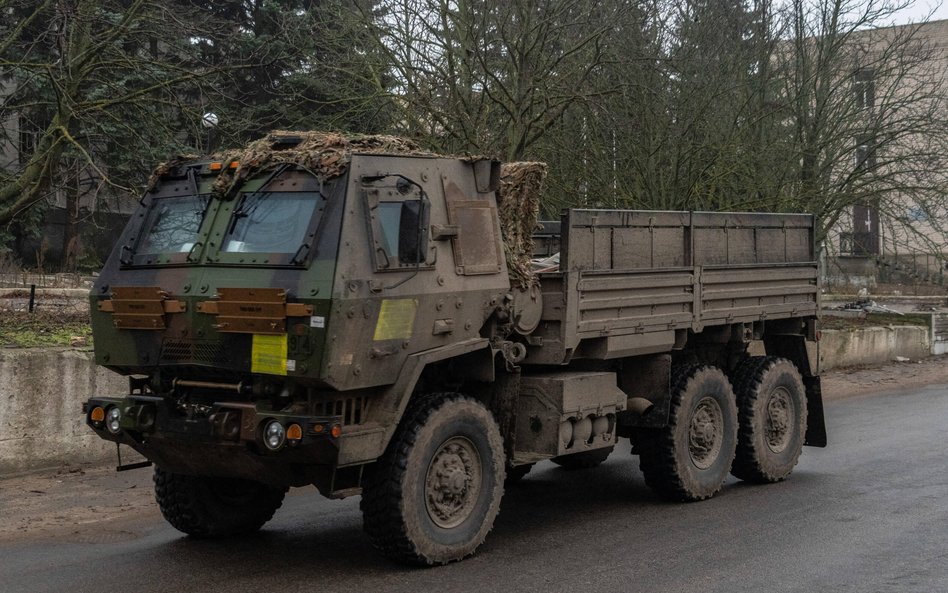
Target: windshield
<point x="271" y="222"/>
<point x="172" y="225"/>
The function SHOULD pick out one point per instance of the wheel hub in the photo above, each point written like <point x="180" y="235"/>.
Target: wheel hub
<point x="779" y="419"/>
<point x="706" y="433"/>
<point x="453" y="482"/>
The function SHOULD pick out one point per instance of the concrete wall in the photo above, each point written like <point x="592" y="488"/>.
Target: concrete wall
<point x="41" y="394"/>
<point x="873" y="345"/>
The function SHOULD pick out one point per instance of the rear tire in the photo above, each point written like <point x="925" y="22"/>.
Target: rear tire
<point x="584" y="460"/>
<point x="203" y="506"/>
<point x="434" y="494"/>
<point x="772" y="412"/>
<point x="688" y="459"/>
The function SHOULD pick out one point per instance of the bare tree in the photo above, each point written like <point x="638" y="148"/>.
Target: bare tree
<point x="490" y="77"/>
<point x="95" y="92"/>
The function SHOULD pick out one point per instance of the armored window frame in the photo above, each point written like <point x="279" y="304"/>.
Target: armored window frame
<point x="160" y="258"/>
<point x="289" y="181"/>
<point x="381" y="198"/>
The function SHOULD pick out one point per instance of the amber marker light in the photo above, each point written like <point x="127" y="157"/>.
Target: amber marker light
<point x="294" y="432"/>
<point x="336" y="431"/>
<point x="318" y="428"/>
<point x="97" y="414"/>
<point x="234" y="164"/>
<point x="215" y="166"/>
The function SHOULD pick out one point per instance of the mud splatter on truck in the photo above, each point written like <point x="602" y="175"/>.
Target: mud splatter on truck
<point x="356" y="314"/>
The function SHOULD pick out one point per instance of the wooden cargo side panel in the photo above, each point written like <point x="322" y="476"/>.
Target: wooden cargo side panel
<point x="750" y="293"/>
<point x="728" y="238"/>
<point x="624" y="240"/>
<point x="637" y="301"/>
<point x="629" y="279"/>
<point x="645" y="247"/>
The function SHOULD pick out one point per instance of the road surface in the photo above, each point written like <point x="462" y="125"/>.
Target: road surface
<point x="867" y="514"/>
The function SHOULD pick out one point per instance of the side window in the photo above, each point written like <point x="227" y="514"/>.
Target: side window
<point x="398" y="226"/>
<point x="389" y="214"/>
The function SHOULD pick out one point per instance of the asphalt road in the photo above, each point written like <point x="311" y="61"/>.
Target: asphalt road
<point x="869" y="513"/>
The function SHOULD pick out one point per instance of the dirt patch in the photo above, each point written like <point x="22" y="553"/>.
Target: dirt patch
<point x="93" y="505"/>
<point x="854" y="381"/>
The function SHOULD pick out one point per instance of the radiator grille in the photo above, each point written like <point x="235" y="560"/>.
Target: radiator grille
<point x="183" y="351"/>
<point x="352" y="409"/>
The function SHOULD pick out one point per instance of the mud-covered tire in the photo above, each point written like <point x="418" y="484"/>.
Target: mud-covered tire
<point x="516" y="473"/>
<point x="689" y="459"/>
<point x="204" y="507"/>
<point x="434" y="494"/>
<point x="771" y="401"/>
<point x="584" y="460"/>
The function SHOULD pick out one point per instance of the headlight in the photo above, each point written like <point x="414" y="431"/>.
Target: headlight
<point x="274" y="435"/>
<point x="113" y="418"/>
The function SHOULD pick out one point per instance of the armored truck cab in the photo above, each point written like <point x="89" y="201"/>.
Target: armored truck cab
<point x="363" y="317"/>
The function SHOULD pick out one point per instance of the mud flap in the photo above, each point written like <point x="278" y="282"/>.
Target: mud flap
<point x="815" y="421"/>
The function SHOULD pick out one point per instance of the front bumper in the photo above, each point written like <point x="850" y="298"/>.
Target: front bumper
<point x="224" y="440"/>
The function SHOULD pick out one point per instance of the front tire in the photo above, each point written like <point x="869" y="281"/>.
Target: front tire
<point x="434" y="494"/>
<point x="772" y="410"/>
<point x="205" y="507"/>
<point x="688" y="459"/>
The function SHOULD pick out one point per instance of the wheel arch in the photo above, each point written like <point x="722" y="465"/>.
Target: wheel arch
<point x="368" y="446"/>
<point x="802" y="349"/>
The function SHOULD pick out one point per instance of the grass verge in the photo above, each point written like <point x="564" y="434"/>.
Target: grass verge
<point x="20" y="329"/>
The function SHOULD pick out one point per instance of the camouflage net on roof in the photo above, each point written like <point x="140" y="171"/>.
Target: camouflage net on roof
<point x="521" y="187"/>
<point x="166" y="167"/>
<point x="326" y="154"/>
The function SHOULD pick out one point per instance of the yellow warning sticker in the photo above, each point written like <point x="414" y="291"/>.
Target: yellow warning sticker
<point x="268" y="355"/>
<point x="396" y="319"/>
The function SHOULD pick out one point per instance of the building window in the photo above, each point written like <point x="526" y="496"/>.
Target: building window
<point x="27" y="140"/>
<point x="864" y="87"/>
<point x="845" y="243"/>
<point x="865" y="153"/>
<point x="865" y="237"/>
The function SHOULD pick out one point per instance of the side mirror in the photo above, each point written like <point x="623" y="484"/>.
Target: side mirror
<point x="413" y="231"/>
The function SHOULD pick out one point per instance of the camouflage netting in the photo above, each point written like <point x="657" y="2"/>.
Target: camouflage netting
<point x="521" y="187"/>
<point x="166" y="167"/>
<point x="327" y="154"/>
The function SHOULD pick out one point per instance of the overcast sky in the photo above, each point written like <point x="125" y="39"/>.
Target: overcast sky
<point x="920" y="9"/>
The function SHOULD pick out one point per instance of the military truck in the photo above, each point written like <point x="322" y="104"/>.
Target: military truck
<point x="358" y="315"/>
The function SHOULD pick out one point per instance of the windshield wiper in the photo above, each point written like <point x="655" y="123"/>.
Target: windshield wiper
<point x="246" y="209"/>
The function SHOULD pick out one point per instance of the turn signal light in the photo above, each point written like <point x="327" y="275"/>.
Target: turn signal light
<point x="318" y="428"/>
<point x="234" y="164"/>
<point x="214" y="167"/>
<point x="336" y="431"/>
<point x="294" y="432"/>
<point x="97" y="414"/>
